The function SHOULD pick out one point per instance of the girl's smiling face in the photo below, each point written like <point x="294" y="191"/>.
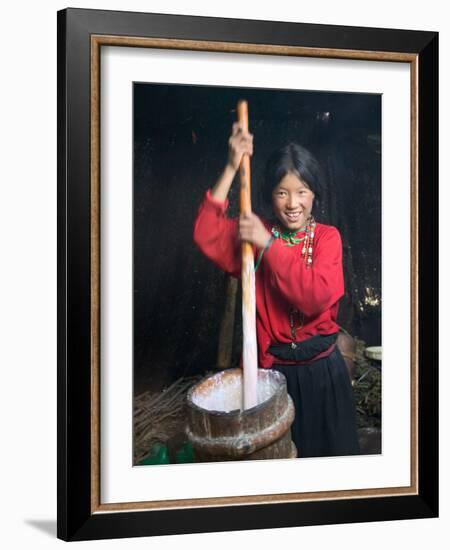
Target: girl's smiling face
<point x="292" y="202"/>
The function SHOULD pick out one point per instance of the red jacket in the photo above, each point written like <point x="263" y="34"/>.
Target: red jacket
<point x="283" y="281"/>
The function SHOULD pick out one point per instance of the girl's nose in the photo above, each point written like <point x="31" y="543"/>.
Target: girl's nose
<point x="291" y="201"/>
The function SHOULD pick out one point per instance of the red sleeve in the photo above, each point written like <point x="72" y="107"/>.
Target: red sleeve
<point x="315" y="289"/>
<point x="216" y="235"/>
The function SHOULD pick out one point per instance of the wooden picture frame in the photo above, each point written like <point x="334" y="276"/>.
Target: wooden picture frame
<point x="81" y="35"/>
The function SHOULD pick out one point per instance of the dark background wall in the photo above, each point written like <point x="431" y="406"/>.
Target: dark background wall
<point x="180" y="149"/>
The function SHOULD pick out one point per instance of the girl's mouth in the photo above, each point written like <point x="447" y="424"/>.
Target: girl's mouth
<point x="293" y="216"/>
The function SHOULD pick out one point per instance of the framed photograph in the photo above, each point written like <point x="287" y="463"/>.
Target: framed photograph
<point x="340" y="128"/>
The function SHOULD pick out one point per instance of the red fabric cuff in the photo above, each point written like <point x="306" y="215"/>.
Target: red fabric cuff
<point x="214" y="204"/>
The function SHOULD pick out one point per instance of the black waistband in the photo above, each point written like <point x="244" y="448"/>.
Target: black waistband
<point x="305" y="350"/>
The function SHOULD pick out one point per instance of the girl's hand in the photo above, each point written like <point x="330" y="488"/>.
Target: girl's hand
<point x="252" y="230"/>
<point x="239" y="143"/>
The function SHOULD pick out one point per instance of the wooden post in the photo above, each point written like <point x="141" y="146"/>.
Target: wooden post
<point x="250" y="353"/>
<point x="225" y="347"/>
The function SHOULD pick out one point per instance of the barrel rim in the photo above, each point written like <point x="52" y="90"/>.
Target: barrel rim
<point x="238" y="412"/>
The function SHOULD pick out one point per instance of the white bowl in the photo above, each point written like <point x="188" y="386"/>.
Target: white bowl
<point x="373" y="352"/>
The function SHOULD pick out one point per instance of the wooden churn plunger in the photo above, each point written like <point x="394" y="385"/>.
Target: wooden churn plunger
<point x="249" y="353"/>
<point x="242" y="414"/>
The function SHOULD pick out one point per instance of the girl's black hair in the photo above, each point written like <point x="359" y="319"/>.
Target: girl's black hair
<point x="295" y="159"/>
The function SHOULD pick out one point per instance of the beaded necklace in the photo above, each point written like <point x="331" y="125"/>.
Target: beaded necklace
<point x="291" y="238"/>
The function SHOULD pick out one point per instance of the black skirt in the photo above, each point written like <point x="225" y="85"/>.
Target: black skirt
<point x="325" y="415"/>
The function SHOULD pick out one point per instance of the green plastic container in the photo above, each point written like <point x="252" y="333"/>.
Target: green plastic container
<point x="158" y="455"/>
<point x="185" y="454"/>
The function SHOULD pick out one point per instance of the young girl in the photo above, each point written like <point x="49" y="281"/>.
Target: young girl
<point x="299" y="281"/>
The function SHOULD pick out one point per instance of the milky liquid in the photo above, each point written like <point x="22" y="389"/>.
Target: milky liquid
<point x="224" y="393"/>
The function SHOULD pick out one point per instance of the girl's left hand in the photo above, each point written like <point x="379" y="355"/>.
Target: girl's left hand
<point x="252" y="230"/>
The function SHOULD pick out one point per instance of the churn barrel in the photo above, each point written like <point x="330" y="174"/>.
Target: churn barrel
<point x="220" y="430"/>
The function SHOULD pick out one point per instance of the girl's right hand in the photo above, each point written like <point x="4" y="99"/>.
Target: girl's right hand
<point x="239" y="143"/>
